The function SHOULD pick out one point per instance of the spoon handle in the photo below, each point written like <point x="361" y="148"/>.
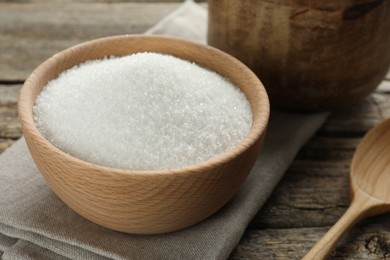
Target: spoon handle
<point x="358" y="209"/>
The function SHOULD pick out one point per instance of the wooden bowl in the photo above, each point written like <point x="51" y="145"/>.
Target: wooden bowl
<point x="311" y="55"/>
<point x="145" y="202"/>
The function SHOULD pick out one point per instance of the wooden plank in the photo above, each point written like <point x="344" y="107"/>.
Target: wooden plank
<point x="9" y="94"/>
<point x="356" y="120"/>
<point x="276" y="243"/>
<point x="94" y="1"/>
<point x="10" y="130"/>
<point x="315" y="193"/>
<point x="5" y="143"/>
<point x="328" y="149"/>
<point x="312" y="193"/>
<point x="9" y="125"/>
<point x="30" y="33"/>
<point x="368" y="240"/>
<point x="315" y="189"/>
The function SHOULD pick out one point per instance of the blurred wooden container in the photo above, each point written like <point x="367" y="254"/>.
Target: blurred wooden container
<point x="310" y="55"/>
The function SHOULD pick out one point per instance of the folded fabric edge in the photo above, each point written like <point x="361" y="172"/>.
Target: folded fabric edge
<point x="46" y="242"/>
<point x="23" y="249"/>
<point x="6" y="242"/>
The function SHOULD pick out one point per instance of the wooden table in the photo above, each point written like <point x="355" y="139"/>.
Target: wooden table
<point x="314" y="192"/>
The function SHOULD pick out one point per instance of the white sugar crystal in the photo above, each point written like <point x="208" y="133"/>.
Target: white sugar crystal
<point x="145" y="111"/>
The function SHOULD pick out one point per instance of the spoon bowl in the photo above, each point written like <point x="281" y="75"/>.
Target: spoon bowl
<point x="370" y="169"/>
<point x="370" y="187"/>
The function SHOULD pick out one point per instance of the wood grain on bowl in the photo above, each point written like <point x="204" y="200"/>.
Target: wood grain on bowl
<point x="310" y="55"/>
<point x="145" y="202"/>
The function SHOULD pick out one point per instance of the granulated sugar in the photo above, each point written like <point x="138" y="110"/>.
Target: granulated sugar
<point x="145" y="111"/>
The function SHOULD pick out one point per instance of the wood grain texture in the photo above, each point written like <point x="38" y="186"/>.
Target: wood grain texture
<point x="315" y="193"/>
<point x="31" y="33"/>
<point x="9" y="124"/>
<point x="145" y="202"/>
<point x="370" y="179"/>
<point x="9" y="94"/>
<point x="369" y="176"/>
<point x="362" y="206"/>
<point x="310" y="55"/>
<point x="95" y="1"/>
<point x="369" y="240"/>
<point x="286" y="217"/>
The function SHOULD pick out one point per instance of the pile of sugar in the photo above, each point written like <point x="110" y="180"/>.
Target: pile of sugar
<point x="145" y="111"/>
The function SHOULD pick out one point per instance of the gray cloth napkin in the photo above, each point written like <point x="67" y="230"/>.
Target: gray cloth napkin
<point x="35" y="224"/>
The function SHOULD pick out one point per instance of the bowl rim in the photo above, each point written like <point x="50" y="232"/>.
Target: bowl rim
<point x="256" y="131"/>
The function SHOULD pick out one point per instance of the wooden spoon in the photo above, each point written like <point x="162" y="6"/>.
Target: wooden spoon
<point x="370" y="185"/>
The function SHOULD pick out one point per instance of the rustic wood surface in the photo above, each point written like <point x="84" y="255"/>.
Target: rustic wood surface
<point x="369" y="174"/>
<point x="310" y="198"/>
